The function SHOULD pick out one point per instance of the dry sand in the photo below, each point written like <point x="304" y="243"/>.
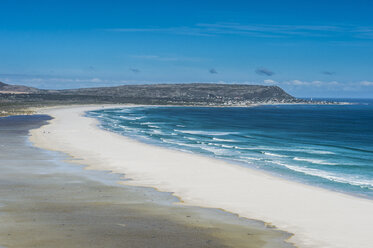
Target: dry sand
<point x="317" y="217"/>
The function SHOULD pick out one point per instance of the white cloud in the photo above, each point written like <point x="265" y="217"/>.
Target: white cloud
<point x="167" y="58"/>
<point x="258" y="30"/>
<point x="315" y="83"/>
<point x="366" y="83"/>
<point x="297" y="82"/>
<point x="270" y="81"/>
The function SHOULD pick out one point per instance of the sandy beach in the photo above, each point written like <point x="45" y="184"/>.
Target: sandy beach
<point x="48" y="202"/>
<point x="317" y="217"/>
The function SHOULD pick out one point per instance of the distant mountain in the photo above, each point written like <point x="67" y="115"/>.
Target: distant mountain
<point x="16" y="89"/>
<point x="190" y="93"/>
<point x="161" y="94"/>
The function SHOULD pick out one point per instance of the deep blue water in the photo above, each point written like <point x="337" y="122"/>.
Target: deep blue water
<point x="325" y="145"/>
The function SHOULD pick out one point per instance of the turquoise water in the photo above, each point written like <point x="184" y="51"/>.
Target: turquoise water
<point x="327" y="146"/>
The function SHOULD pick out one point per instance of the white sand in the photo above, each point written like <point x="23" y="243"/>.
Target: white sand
<point x="317" y="217"/>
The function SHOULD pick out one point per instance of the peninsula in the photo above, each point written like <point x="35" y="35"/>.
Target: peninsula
<point x="14" y="98"/>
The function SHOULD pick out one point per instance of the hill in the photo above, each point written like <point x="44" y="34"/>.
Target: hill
<point x="16" y="89"/>
<point x="195" y="94"/>
<point x="17" y="98"/>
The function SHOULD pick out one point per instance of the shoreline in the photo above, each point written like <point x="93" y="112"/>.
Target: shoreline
<point x="29" y="110"/>
<point x="290" y="206"/>
<point x="48" y="202"/>
<point x="166" y="145"/>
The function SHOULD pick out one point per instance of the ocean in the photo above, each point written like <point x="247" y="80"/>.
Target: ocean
<point x="329" y="146"/>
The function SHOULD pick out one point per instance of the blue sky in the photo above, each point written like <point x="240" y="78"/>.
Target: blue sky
<point x="309" y="48"/>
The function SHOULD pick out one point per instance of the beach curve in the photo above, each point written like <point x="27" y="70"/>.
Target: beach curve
<point x="317" y="217"/>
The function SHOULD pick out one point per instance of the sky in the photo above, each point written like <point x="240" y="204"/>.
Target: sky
<point x="309" y="48"/>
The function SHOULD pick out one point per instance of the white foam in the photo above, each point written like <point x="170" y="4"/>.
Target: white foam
<point x="127" y="129"/>
<point x="305" y="150"/>
<point x="226" y="146"/>
<point x="124" y="110"/>
<point x="224" y="140"/>
<point x="153" y="126"/>
<point x="248" y="148"/>
<point x="179" y="143"/>
<point x="250" y="158"/>
<point x="318" y="152"/>
<point x="356" y="181"/>
<point x="148" y="123"/>
<point x="171" y="141"/>
<point x="131" y="118"/>
<point x="214" y="150"/>
<point x="157" y="132"/>
<point x="217" y="145"/>
<point x="314" y="161"/>
<point x="204" y="132"/>
<point x="274" y="155"/>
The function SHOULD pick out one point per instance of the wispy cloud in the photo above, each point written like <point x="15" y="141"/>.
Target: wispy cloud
<point x="259" y="30"/>
<point x="53" y="81"/>
<point x="167" y="58"/>
<point x="366" y="83"/>
<point x="302" y="83"/>
<point x="318" y="88"/>
<point x="270" y="81"/>
<point x="193" y="31"/>
<point x="315" y="83"/>
<point x="321" y="84"/>
<point x="213" y="71"/>
<point x="134" y="70"/>
<point x="264" y="72"/>
<point x="156" y="57"/>
<point x="328" y="73"/>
